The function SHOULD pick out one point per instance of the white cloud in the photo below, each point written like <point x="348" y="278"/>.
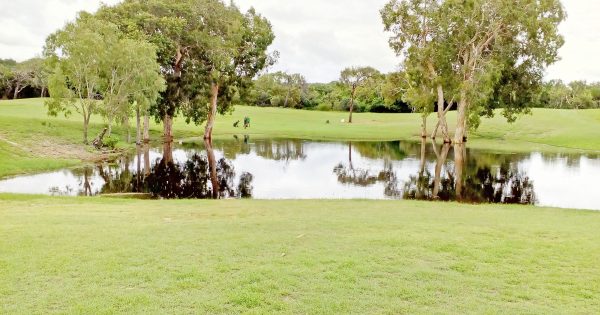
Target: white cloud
<point x="316" y="38"/>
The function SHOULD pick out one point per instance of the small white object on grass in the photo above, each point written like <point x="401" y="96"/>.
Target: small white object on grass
<point x="343" y="121"/>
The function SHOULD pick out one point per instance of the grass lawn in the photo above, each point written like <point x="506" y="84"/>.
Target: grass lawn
<point x="103" y="256"/>
<point x="34" y="141"/>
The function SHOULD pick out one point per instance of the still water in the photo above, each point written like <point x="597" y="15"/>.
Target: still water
<point x="297" y="169"/>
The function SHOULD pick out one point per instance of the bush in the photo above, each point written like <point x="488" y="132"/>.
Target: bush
<point x="110" y="142"/>
<point x="324" y="107"/>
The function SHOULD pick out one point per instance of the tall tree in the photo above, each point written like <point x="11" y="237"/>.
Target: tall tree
<point x="131" y="77"/>
<point x="354" y="78"/>
<point x="178" y="32"/>
<point x="95" y="70"/>
<point x="207" y="51"/>
<point x="470" y="44"/>
<point x="417" y="28"/>
<point x="235" y="53"/>
<point x="74" y="55"/>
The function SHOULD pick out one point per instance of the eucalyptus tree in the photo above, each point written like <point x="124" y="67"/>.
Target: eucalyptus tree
<point x="294" y="85"/>
<point x="75" y="56"/>
<point x="469" y="47"/>
<point x="353" y="78"/>
<point x="95" y="70"/>
<point x="131" y="81"/>
<point x="521" y="36"/>
<point x="418" y="28"/>
<point x="278" y="89"/>
<point x="234" y="54"/>
<point x="177" y="31"/>
<point x="40" y="75"/>
<point x="23" y="75"/>
<point x="207" y="51"/>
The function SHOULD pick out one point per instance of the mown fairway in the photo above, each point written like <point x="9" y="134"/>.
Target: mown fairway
<point x="102" y="256"/>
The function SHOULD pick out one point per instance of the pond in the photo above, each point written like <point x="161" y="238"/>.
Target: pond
<point x="298" y="169"/>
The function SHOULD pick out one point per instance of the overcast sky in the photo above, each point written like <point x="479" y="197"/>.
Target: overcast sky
<point x="315" y="37"/>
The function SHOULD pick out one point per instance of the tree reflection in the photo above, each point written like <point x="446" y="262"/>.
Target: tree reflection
<point x="201" y="176"/>
<point x="469" y="179"/>
<point x="348" y="174"/>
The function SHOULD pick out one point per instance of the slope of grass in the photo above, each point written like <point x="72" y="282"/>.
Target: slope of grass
<point x="25" y="123"/>
<point x="13" y="161"/>
<point x="102" y="256"/>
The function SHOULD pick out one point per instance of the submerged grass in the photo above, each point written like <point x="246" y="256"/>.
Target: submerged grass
<point x="97" y="255"/>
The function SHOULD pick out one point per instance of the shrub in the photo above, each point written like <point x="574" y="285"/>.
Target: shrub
<point x="111" y="142"/>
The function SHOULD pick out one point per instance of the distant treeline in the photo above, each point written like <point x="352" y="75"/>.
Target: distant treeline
<point x="280" y="89"/>
<point x="575" y="95"/>
<point x="23" y="79"/>
<point x="383" y="93"/>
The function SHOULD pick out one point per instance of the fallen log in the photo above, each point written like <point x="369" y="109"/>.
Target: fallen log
<point x="97" y="143"/>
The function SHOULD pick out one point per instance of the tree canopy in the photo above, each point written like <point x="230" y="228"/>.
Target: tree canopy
<point x="466" y="49"/>
<point x="95" y="70"/>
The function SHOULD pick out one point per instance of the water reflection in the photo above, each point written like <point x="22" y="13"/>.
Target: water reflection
<point x="349" y="175"/>
<point x="297" y="169"/>
<point x="469" y="179"/>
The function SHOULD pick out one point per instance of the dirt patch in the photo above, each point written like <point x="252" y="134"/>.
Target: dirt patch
<point x="57" y="149"/>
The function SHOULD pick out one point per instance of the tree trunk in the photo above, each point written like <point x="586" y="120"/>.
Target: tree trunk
<point x="350" y="155"/>
<point x="287" y="97"/>
<point x="442" y="114"/>
<point x="138" y="127"/>
<point x="43" y="92"/>
<point x="146" y="127"/>
<point x="210" y="121"/>
<point x="167" y="152"/>
<point x="86" y="122"/>
<point x="128" y="127"/>
<point x="212" y="165"/>
<point x="441" y="159"/>
<point x="461" y="119"/>
<point x="351" y="105"/>
<point x="168" y="128"/>
<point x="17" y="90"/>
<point x="110" y="123"/>
<point x="424" y="126"/>
<point x="423" y="151"/>
<point x="459" y="163"/>
<point x="146" y="160"/>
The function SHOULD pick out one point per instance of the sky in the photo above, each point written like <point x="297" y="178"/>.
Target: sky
<point x="316" y="38"/>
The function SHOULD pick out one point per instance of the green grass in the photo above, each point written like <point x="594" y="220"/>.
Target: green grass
<point x="16" y="161"/>
<point x="104" y="256"/>
<point x="25" y="123"/>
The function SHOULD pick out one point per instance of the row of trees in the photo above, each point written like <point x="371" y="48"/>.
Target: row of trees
<point x="575" y="95"/>
<point x="23" y="79"/>
<point x="156" y="58"/>
<point x="391" y="93"/>
<point x="359" y="89"/>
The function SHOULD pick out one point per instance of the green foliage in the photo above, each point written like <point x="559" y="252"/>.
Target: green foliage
<point x="91" y="61"/>
<point x="575" y="95"/>
<point x="199" y="43"/>
<point x="111" y="142"/>
<point x="473" y="48"/>
<point x="278" y="89"/>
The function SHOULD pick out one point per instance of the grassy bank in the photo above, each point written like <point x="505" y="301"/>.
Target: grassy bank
<point x="31" y="134"/>
<point x="80" y="255"/>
